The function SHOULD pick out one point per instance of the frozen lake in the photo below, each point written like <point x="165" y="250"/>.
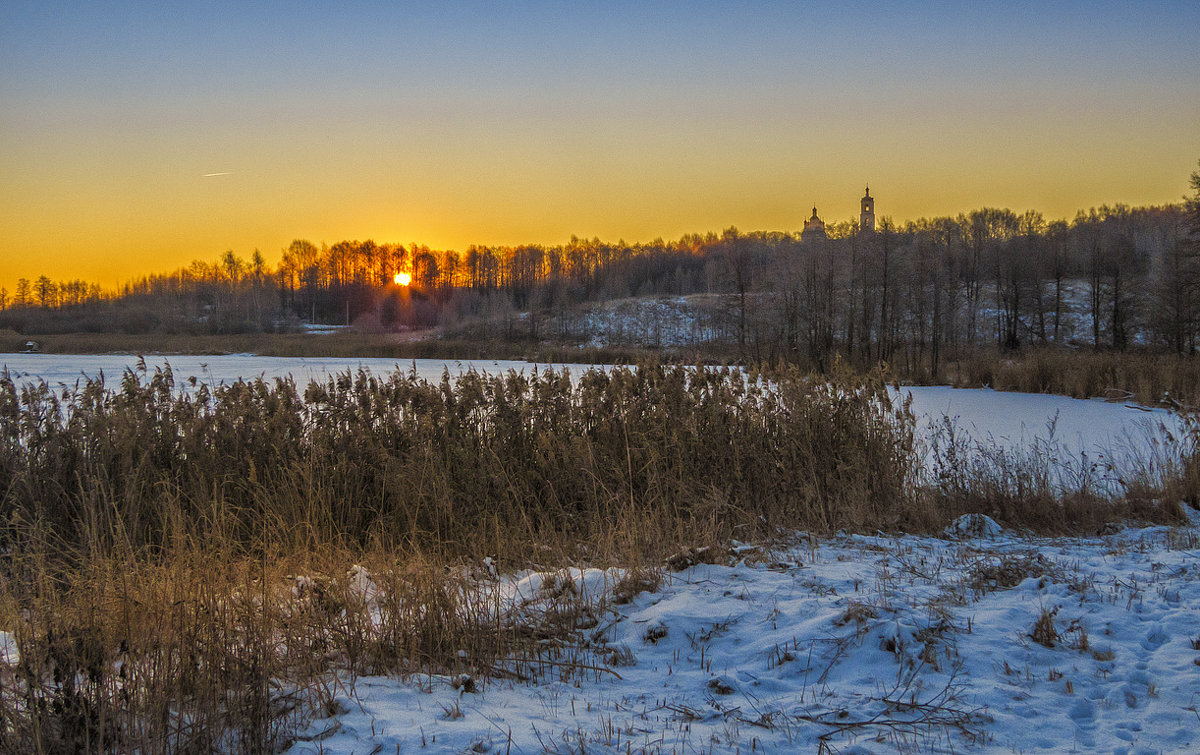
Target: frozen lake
<point x="1008" y="420"/>
<point x="67" y="368"/>
<point x="1042" y="423"/>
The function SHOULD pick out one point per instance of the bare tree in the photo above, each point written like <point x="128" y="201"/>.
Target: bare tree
<point x="46" y="292"/>
<point x="1057" y="268"/>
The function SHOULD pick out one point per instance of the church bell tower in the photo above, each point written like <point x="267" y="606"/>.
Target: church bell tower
<point x="866" y="219"/>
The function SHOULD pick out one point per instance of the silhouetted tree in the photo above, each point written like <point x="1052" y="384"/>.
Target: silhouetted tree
<point x="46" y="292"/>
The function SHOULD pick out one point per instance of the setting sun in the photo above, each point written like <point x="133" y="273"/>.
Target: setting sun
<point x="402" y="279"/>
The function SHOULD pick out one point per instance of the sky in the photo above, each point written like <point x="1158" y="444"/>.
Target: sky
<point x="136" y="137"/>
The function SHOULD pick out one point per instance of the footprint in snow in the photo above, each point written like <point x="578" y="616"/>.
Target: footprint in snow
<point x="1155" y="638"/>
<point x="1083" y="713"/>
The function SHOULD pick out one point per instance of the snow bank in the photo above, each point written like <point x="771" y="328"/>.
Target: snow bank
<point x="586" y="584"/>
<point x="974" y="526"/>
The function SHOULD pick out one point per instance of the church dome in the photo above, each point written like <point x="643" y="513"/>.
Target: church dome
<point x="814" y="227"/>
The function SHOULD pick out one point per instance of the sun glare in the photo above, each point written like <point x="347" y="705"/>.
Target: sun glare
<point x="402" y="279"/>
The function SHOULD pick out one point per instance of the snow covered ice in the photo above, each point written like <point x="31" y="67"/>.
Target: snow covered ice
<point x="1020" y="420"/>
<point x="994" y="643"/>
<point x="226" y="368"/>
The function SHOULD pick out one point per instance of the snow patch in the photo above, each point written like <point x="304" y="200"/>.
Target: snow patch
<point x="974" y="526"/>
<point x="9" y="654"/>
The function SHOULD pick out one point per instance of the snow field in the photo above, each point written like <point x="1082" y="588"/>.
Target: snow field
<point x="870" y="644"/>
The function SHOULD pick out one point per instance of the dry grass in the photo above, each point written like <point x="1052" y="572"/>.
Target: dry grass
<point x="628" y="463"/>
<point x="1047" y="490"/>
<point x="1146" y="377"/>
<point x="151" y="535"/>
<point x="174" y="563"/>
<point x="1006" y="571"/>
<point x="1044" y="632"/>
<point x="201" y="653"/>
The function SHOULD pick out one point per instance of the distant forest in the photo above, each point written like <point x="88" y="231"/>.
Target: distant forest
<point x="1113" y="278"/>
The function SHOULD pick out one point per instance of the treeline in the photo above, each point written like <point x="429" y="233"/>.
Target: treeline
<point x="46" y="293"/>
<point x="1114" y="277"/>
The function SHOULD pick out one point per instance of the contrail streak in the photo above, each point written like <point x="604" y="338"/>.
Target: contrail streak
<point x="210" y="175"/>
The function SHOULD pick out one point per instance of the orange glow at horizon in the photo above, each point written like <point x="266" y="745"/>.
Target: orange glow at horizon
<point x="132" y="143"/>
<point x="402" y="279"/>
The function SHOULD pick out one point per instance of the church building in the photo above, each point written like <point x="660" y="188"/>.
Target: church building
<point x="866" y="218"/>
<point x="814" y="227"/>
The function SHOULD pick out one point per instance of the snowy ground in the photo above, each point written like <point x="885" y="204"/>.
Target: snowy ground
<point x="655" y="321"/>
<point x="866" y="644"/>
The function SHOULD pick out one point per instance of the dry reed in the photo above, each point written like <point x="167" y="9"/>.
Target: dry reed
<point x="175" y="559"/>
